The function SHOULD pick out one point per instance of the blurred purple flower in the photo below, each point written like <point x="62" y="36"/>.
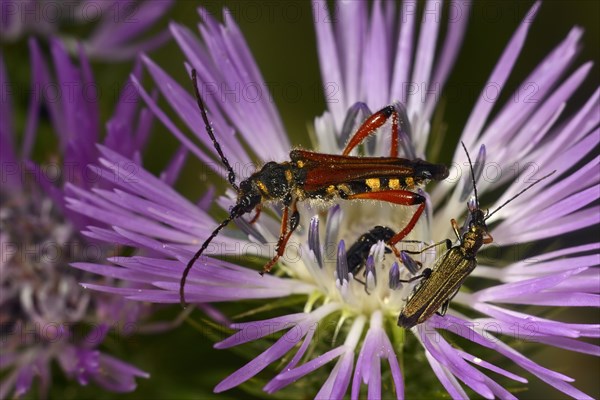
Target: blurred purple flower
<point x="45" y="315"/>
<point x="117" y="24"/>
<point x="368" y="56"/>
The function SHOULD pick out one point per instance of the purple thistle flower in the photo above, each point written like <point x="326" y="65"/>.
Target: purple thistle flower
<point x="117" y="25"/>
<point x="45" y="315"/>
<point x="150" y="215"/>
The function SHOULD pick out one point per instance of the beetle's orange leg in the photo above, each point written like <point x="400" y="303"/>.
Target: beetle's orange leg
<point x="395" y="135"/>
<point x="455" y="228"/>
<point x="258" y="210"/>
<point x="372" y="123"/>
<point x="289" y="223"/>
<point x="489" y="239"/>
<point x="402" y="197"/>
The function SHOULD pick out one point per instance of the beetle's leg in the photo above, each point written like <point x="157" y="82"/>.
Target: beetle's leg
<point x="282" y="234"/>
<point x="402" y="197"/>
<point x="395" y="135"/>
<point x="258" y="210"/>
<point x="447" y="242"/>
<point x="410" y="263"/>
<point x="397" y="252"/>
<point x="409" y="227"/>
<point x="373" y="123"/>
<point x="364" y="283"/>
<point x="489" y="239"/>
<point x="289" y="223"/>
<point x="455" y="228"/>
<point x="444" y="308"/>
<point x="446" y="303"/>
<point x="424" y="275"/>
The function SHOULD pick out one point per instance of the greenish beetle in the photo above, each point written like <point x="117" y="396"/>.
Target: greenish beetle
<point x="440" y="283"/>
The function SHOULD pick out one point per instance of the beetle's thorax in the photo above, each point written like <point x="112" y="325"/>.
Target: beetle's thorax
<point x="274" y="181"/>
<point x="472" y="240"/>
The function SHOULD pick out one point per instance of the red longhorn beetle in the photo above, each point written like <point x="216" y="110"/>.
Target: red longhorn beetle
<point x="317" y="176"/>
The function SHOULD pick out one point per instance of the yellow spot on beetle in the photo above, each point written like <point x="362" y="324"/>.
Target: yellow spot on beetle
<point x="373" y="183"/>
<point x="330" y="189"/>
<point x="300" y="163"/>
<point x="410" y="181"/>
<point x="288" y="175"/>
<point x="345" y="188"/>
<point x="394" y="184"/>
<point x="262" y="187"/>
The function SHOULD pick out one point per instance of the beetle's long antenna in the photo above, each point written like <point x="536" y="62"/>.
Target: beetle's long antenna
<point x="518" y="194"/>
<point x="190" y="263"/>
<point x="211" y="133"/>
<point x="472" y="174"/>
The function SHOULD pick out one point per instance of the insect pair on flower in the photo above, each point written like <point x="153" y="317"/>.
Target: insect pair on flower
<point x="325" y="177"/>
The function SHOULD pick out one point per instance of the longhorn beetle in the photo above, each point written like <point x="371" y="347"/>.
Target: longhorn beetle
<point x="317" y="176"/>
<point x="440" y="283"/>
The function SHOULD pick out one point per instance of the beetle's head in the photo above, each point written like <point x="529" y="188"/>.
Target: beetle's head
<point x="425" y="171"/>
<point x="248" y="198"/>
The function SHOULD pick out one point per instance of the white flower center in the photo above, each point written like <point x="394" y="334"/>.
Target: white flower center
<point x="367" y="289"/>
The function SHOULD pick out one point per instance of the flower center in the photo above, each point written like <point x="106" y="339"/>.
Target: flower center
<point x="374" y="283"/>
<point x="37" y="285"/>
